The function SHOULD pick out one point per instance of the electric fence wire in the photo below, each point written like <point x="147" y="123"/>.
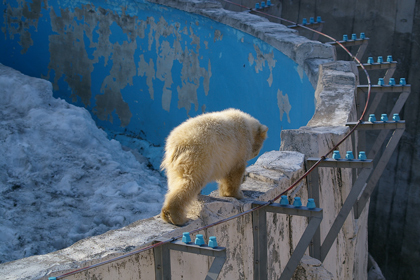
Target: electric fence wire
<point x="137" y="251"/>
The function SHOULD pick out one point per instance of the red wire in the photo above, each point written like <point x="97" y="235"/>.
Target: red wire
<point x="278" y="196"/>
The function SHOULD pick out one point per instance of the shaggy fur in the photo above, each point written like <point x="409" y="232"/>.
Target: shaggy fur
<point x="210" y="147"/>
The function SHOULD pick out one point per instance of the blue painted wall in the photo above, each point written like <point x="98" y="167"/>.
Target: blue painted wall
<point x="141" y="69"/>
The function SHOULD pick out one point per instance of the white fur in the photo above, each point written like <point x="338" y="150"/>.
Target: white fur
<point x="210" y="147"/>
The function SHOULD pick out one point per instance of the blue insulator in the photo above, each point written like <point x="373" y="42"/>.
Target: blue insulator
<point x="318" y="19"/>
<point x="336" y="155"/>
<point x="403" y="82"/>
<point x="304" y="21"/>
<point x="396" y="117"/>
<point x="384" y="117"/>
<point x="257" y="6"/>
<point x="186" y="238"/>
<point x="199" y="240"/>
<point x="381" y="82"/>
<point x="297" y="202"/>
<point x="370" y="60"/>
<point x="389" y="58"/>
<point x="362" y="155"/>
<point x="268" y="3"/>
<point x="262" y="4"/>
<point x="311" y="203"/>
<point x="391" y="82"/>
<point x="354" y="36"/>
<point x="212" y="242"/>
<point x="362" y="36"/>
<point x="284" y="201"/>
<point x="380" y="59"/>
<point x="349" y="155"/>
<point x="311" y="20"/>
<point x="345" y="38"/>
<point x="372" y="118"/>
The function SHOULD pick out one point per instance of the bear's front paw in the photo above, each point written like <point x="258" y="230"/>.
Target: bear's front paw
<point x="173" y="217"/>
<point x="237" y="195"/>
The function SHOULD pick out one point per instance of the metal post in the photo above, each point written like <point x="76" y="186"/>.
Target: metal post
<point x="376" y="174"/>
<point x="300" y="249"/>
<point x="259" y="223"/>
<point x="162" y="262"/>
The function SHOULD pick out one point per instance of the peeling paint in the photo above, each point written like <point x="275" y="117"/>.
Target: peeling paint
<point x="284" y="105"/>
<point x="260" y="62"/>
<point x="20" y="20"/>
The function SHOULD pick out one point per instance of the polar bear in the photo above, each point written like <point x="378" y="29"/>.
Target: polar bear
<point x="210" y="147"/>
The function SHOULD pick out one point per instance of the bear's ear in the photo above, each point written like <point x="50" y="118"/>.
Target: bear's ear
<point x="262" y="130"/>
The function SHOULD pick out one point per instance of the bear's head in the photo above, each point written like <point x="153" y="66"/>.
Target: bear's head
<point x="259" y="136"/>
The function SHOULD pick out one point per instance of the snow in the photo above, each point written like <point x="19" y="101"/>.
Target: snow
<point x="61" y="178"/>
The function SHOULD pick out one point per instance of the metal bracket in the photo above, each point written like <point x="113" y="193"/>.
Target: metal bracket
<point x="260" y="237"/>
<point x="358" y="42"/>
<point x="163" y="259"/>
<point x="357" y="188"/>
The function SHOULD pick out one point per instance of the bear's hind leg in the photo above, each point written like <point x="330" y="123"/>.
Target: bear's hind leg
<point x="230" y="185"/>
<point x="177" y="200"/>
